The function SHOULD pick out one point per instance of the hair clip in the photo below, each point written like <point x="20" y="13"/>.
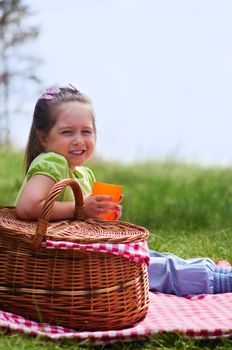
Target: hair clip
<point x="49" y="93"/>
<point x="74" y="88"/>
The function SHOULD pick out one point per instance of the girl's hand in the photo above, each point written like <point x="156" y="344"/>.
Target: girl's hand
<point x="118" y="208"/>
<point x="118" y="211"/>
<point x="98" y="204"/>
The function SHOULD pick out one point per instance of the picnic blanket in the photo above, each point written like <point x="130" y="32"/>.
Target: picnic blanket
<point x="201" y="316"/>
<point x="196" y="316"/>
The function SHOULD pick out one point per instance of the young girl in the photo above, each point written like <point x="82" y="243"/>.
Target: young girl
<point x="62" y="138"/>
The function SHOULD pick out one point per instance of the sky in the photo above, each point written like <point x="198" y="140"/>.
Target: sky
<point x="159" y="74"/>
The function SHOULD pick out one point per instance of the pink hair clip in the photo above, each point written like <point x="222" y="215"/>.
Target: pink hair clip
<point x="49" y="93"/>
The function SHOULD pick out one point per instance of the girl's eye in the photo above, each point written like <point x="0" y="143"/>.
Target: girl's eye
<point x="87" y="132"/>
<point x="67" y="132"/>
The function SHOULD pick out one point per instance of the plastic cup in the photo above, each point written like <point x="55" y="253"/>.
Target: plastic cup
<point x="102" y="188"/>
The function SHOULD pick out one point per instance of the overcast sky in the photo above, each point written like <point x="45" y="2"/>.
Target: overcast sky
<point x="159" y="73"/>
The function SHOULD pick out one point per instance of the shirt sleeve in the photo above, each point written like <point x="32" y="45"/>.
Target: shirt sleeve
<point x="49" y="164"/>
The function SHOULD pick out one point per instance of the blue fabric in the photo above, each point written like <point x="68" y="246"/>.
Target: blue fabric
<point x="173" y="275"/>
<point x="222" y="281"/>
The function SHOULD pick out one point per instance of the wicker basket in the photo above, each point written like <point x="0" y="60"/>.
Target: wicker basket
<point x="78" y="289"/>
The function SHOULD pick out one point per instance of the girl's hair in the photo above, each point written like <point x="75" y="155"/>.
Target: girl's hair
<point x="44" y="119"/>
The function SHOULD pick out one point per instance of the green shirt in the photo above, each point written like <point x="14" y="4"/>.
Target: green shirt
<point x="56" y="167"/>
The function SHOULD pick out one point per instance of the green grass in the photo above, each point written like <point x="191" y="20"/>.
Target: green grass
<point x="187" y="209"/>
<point x="11" y="174"/>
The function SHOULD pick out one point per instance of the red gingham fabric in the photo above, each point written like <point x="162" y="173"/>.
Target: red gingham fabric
<point x="202" y="316"/>
<point x="137" y="252"/>
<point x="196" y="316"/>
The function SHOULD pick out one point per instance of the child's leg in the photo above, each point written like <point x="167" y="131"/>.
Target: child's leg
<point x="222" y="282"/>
<point x="170" y="274"/>
<point x="173" y="275"/>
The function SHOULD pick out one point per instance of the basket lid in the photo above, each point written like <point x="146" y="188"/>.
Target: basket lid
<point x="87" y="231"/>
<point x="79" y="230"/>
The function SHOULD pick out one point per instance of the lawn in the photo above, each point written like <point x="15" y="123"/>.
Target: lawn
<point x="187" y="209"/>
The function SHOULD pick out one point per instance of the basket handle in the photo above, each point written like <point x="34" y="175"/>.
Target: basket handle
<point x="43" y="220"/>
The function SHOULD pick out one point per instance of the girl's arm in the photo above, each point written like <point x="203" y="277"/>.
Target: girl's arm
<point x="35" y="192"/>
<point x="32" y="198"/>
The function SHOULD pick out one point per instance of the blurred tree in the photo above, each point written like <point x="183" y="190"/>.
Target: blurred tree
<point x="14" y="64"/>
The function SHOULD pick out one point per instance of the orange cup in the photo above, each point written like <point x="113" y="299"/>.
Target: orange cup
<point x="101" y="188"/>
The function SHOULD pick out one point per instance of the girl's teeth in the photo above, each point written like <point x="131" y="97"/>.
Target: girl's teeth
<point x="76" y="152"/>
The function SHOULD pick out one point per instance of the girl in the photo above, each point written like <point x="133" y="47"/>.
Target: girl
<point x="62" y="138"/>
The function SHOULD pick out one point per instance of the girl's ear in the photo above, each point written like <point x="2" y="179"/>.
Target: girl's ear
<point x="41" y="137"/>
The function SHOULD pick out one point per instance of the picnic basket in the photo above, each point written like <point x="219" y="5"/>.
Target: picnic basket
<point x="84" y="290"/>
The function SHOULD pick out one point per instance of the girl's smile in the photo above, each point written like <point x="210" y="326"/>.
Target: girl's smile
<point x="72" y="135"/>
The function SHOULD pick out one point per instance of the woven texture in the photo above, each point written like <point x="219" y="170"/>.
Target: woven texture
<point x="82" y="289"/>
<point x="202" y="316"/>
<point x="88" y="231"/>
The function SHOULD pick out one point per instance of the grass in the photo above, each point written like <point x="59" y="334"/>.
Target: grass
<point x="161" y="342"/>
<point x="187" y="209"/>
<point x="11" y="172"/>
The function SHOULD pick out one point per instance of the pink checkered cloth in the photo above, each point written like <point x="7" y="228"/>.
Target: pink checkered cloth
<point x="202" y="316"/>
<point x="137" y="252"/>
<point x="198" y="316"/>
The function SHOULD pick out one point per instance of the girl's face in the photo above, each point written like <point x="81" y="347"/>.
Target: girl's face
<point x="73" y="134"/>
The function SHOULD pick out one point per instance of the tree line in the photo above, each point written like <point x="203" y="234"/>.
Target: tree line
<point x="16" y="64"/>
